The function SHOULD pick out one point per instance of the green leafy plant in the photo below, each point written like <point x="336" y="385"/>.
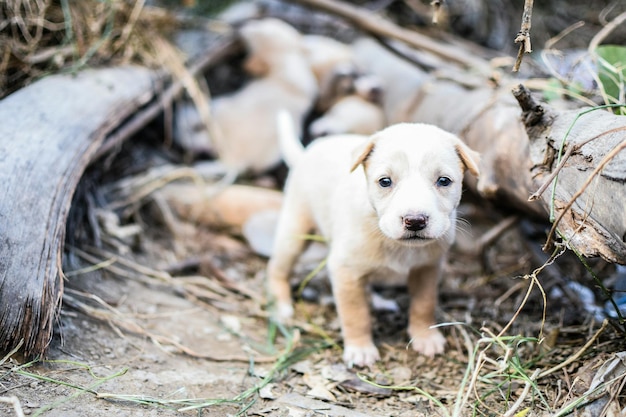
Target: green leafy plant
<point x="612" y="74"/>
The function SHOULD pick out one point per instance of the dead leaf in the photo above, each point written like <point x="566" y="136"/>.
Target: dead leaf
<point x="299" y="405"/>
<point x="320" y="392"/>
<point x="266" y="392"/>
<point x="599" y="398"/>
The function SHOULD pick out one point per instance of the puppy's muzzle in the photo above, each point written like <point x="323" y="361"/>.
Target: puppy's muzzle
<point x="415" y="222"/>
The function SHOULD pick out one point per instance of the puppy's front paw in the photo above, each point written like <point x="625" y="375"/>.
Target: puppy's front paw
<point x="428" y="342"/>
<point x="360" y="355"/>
<point x="282" y="312"/>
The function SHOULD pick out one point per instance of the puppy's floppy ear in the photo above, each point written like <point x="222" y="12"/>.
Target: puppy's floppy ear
<point x="361" y="152"/>
<point x="469" y="157"/>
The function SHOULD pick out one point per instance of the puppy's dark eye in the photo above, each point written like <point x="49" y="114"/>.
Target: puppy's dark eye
<point x="385" y="182"/>
<point x="443" y="181"/>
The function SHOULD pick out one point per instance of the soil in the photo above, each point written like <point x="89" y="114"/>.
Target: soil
<point x="138" y="341"/>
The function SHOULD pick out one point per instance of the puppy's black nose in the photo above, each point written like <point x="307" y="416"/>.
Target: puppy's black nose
<point x="415" y="222"/>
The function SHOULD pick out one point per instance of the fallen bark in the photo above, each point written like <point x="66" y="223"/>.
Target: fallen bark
<point x="579" y="167"/>
<point x="50" y="132"/>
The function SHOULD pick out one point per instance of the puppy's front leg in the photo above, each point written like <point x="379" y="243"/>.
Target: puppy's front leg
<point x="423" y="285"/>
<point x="349" y="289"/>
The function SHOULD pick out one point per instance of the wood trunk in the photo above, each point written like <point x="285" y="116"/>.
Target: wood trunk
<point x="48" y="135"/>
<point x="579" y="163"/>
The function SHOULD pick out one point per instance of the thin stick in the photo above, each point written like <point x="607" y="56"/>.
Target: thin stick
<point x="15" y="402"/>
<point x="578" y="354"/>
<point x="605" y="31"/>
<point x="130" y="25"/>
<point x="558" y="37"/>
<point x="523" y="36"/>
<point x="12" y="352"/>
<point x="529" y="383"/>
<point x="495" y="232"/>
<point x="568" y="152"/>
<point x="533" y="281"/>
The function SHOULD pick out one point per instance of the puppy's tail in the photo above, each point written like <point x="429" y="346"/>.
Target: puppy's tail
<point x="288" y="141"/>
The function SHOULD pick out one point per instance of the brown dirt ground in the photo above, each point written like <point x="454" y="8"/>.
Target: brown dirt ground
<point x="130" y="341"/>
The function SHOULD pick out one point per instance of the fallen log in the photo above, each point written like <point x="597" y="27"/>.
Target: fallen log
<point x="579" y="167"/>
<point x="50" y="132"/>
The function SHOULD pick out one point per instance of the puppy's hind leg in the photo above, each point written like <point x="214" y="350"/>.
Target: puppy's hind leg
<point x="294" y="223"/>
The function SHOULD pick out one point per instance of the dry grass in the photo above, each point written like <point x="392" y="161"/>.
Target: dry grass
<point x="42" y="37"/>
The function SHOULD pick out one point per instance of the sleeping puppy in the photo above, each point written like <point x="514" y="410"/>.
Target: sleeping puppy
<point x="350" y="114"/>
<point x="359" y="112"/>
<point x="245" y="127"/>
<point x="333" y="64"/>
<point x="387" y="206"/>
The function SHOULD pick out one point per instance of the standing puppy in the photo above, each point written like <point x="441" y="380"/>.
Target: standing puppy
<point x="387" y="206"/>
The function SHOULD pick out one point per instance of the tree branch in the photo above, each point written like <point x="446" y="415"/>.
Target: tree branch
<point x="379" y="26"/>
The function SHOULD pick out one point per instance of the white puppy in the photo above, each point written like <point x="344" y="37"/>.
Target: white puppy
<point x="387" y="206"/>
<point x="358" y="112"/>
<point x="333" y="64"/>
<point x="350" y="114"/>
<point x="245" y="120"/>
<point x="326" y="54"/>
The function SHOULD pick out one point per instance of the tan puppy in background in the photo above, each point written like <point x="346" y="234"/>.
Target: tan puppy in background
<point x="358" y="112"/>
<point x="245" y="120"/>
<point x="350" y="114"/>
<point x="387" y="206"/>
<point x="331" y="61"/>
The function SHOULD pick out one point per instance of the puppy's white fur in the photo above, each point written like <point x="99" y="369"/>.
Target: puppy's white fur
<point x="326" y="55"/>
<point x="387" y="205"/>
<point x="350" y="114"/>
<point x="245" y="120"/>
<point x="401" y="80"/>
<point x="359" y="112"/>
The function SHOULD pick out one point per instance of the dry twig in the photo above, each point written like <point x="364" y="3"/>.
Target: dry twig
<point x="578" y="354"/>
<point x="370" y="22"/>
<point x="523" y="36"/>
<point x="15" y="402"/>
